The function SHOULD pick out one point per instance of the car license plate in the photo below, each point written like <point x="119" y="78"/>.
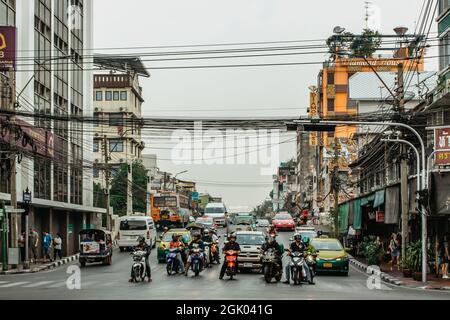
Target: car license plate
<point x="328" y="265"/>
<point x="164" y="217"/>
<point x="248" y="265"/>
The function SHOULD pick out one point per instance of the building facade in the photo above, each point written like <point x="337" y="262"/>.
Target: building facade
<point x="55" y="36"/>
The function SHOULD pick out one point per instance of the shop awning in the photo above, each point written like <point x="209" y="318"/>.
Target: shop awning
<point x="367" y="200"/>
<point x="392" y="212"/>
<point x="343" y="218"/>
<point x="379" y="199"/>
<point x="357" y="212"/>
<point x="351" y="212"/>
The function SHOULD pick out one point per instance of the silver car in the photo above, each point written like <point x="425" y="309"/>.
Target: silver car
<point x="250" y="243"/>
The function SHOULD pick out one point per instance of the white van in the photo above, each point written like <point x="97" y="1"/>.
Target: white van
<point x="133" y="227"/>
<point x="218" y="212"/>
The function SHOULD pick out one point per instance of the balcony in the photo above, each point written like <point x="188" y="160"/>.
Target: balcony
<point x="117" y="81"/>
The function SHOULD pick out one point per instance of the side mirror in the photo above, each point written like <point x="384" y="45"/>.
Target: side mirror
<point x="348" y="250"/>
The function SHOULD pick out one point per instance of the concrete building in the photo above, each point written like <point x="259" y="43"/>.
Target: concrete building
<point x="57" y="36"/>
<point x="118" y="117"/>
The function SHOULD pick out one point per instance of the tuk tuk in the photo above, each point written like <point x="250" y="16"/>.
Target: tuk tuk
<point x="195" y="228"/>
<point x="95" y="246"/>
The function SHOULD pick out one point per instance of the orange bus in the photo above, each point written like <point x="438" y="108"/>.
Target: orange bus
<point x="170" y="209"/>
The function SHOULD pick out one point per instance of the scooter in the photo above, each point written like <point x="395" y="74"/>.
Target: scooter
<point x="215" y="252"/>
<point x="173" y="265"/>
<point x="296" y="267"/>
<point x="196" y="260"/>
<point x="231" y="258"/>
<point x="311" y="262"/>
<point x="138" y="267"/>
<point x="271" y="266"/>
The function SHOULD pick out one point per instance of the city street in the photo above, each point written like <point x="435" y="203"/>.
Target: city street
<point x="103" y="282"/>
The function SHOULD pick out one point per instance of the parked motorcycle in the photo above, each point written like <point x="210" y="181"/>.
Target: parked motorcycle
<point x="296" y="267"/>
<point x="271" y="266"/>
<point x="196" y="260"/>
<point x="138" y="267"/>
<point x="231" y="258"/>
<point x="173" y="265"/>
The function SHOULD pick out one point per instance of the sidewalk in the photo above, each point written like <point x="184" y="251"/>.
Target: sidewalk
<point x="40" y="266"/>
<point x="396" y="277"/>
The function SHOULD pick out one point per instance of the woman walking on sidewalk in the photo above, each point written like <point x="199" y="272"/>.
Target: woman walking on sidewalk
<point x="57" y="247"/>
<point x="444" y="256"/>
<point x="394" y="248"/>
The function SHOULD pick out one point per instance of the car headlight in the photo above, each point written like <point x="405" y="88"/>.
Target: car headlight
<point x="345" y="258"/>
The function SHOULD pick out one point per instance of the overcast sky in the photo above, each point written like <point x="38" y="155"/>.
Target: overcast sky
<point x="233" y="92"/>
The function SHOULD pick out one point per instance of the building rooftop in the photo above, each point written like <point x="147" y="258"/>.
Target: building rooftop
<point x="361" y="85"/>
<point x="121" y="63"/>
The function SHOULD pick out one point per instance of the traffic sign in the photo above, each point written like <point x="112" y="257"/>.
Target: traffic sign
<point x="10" y="209"/>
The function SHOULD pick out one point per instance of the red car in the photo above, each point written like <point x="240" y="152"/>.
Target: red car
<point x="283" y="221"/>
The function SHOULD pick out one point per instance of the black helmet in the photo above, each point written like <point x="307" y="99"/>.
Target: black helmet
<point x="141" y="239"/>
<point x="197" y="235"/>
<point x="297" y="236"/>
<point x="174" y="237"/>
<point x="232" y="236"/>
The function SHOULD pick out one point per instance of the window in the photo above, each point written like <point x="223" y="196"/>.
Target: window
<point x="330" y="105"/>
<point x="444" y="52"/>
<point x="116" y="146"/>
<point x="116" y="95"/>
<point x="123" y="96"/>
<point x="330" y="78"/>
<point x="95" y="149"/>
<point x="108" y="95"/>
<point x="115" y="119"/>
<point x="98" y="95"/>
<point x="443" y="5"/>
<point x="95" y="173"/>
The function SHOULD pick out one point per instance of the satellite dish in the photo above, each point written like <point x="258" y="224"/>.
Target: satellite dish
<point x="401" y="31"/>
<point x="338" y="30"/>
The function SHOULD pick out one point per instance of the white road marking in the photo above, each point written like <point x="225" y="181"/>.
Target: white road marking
<point x="14" y="284"/>
<point x="57" y="285"/>
<point x="37" y="284"/>
<point x="1" y="282"/>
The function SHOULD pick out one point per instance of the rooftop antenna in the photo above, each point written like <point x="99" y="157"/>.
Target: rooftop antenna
<point x="367" y="7"/>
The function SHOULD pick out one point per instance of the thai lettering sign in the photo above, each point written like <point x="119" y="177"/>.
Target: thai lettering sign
<point x="442" y="142"/>
<point x="7" y="48"/>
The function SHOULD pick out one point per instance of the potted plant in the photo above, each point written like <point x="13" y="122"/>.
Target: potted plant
<point x="413" y="260"/>
<point x="373" y="253"/>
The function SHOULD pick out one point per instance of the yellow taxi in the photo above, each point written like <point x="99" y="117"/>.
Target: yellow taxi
<point x="165" y="238"/>
<point x="331" y="256"/>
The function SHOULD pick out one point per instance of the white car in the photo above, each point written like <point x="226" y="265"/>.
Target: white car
<point x="133" y="227"/>
<point x="218" y="212"/>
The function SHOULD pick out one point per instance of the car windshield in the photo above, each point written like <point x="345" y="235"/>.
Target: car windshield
<point x="243" y="219"/>
<point x="309" y="234"/>
<point x="327" y="245"/>
<point x="91" y="236"/>
<point x="263" y="222"/>
<point x="283" y="217"/>
<point x="128" y="225"/>
<point x="214" y="210"/>
<point x="250" y="239"/>
<point x="168" y="237"/>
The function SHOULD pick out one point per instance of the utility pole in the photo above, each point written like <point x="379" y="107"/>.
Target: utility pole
<point x="400" y="106"/>
<point x="335" y="185"/>
<point x="107" y="190"/>
<point x="12" y="176"/>
<point x="129" y="188"/>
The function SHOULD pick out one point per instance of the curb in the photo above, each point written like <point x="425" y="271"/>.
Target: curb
<point x="376" y="271"/>
<point x="43" y="267"/>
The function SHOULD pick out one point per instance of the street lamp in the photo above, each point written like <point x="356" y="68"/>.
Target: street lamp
<point x="423" y="172"/>
<point x="174" y="177"/>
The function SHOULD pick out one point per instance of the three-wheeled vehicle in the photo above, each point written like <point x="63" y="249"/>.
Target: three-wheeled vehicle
<point x="95" y="246"/>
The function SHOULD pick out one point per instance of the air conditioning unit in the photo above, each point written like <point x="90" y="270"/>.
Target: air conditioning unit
<point x="96" y="134"/>
<point x="123" y="109"/>
<point x="122" y="160"/>
<point x="96" y="161"/>
<point x="98" y="109"/>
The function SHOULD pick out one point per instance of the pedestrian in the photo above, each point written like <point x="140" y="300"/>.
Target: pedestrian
<point x="444" y="256"/>
<point x="47" y="242"/>
<point x="57" y="246"/>
<point x="33" y="241"/>
<point x="21" y="242"/>
<point x="394" y="249"/>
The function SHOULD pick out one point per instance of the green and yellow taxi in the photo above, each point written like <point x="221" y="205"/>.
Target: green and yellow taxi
<point x="331" y="255"/>
<point x="164" y="242"/>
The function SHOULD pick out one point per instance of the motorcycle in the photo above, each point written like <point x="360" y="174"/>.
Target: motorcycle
<point x="138" y="267"/>
<point x="196" y="260"/>
<point x="173" y="265"/>
<point x="296" y="267"/>
<point x="208" y="258"/>
<point x="271" y="266"/>
<point x="311" y="262"/>
<point x="231" y="258"/>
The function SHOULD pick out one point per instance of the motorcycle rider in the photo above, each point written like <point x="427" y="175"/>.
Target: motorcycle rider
<point x="271" y="230"/>
<point x="296" y="246"/>
<point x="208" y="239"/>
<point x="177" y="243"/>
<point x="309" y="249"/>
<point x="230" y="245"/>
<point x="271" y="243"/>
<point x="143" y="246"/>
<point x="197" y="240"/>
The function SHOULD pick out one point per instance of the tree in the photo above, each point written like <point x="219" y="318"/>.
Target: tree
<point x="263" y="209"/>
<point x="119" y="187"/>
<point x="366" y="45"/>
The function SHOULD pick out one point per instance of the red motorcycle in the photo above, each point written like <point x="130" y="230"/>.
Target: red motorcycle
<point x="231" y="258"/>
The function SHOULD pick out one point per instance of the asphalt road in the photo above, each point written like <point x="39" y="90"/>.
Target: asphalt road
<point x="111" y="282"/>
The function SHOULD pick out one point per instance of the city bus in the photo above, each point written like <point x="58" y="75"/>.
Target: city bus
<point x="170" y="209"/>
